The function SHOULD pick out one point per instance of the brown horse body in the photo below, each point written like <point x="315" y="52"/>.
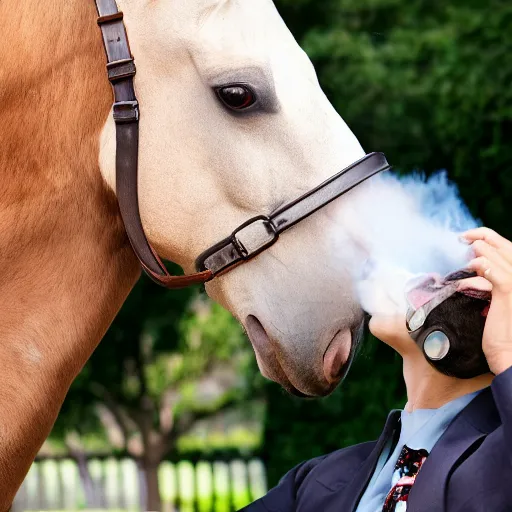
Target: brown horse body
<point x="66" y="264"/>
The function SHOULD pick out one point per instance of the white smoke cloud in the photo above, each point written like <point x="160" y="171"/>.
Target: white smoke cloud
<point x="399" y="227"/>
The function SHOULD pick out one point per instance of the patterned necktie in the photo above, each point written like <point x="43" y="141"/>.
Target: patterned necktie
<point x="406" y="469"/>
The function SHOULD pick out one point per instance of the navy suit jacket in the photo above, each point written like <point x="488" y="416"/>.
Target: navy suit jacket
<point x="468" y="470"/>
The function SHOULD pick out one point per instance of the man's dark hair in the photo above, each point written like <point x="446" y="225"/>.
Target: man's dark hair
<point x="462" y="319"/>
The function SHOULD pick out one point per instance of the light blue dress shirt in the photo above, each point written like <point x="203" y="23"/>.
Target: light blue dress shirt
<point x="421" y="428"/>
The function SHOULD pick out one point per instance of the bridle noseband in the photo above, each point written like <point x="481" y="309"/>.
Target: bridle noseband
<point x="261" y="232"/>
<point x="245" y="242"/>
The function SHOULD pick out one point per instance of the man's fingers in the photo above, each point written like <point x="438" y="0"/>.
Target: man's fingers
<point x="492" y="238"/>
<point x="488" y="235"/>
<point x="500" y="278"/>
<point x="481" y="248"/>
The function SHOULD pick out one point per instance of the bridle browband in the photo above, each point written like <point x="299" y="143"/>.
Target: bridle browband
<point x="247" y="241"/>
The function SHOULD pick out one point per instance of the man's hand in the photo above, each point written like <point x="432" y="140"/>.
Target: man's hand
<point x="493" y="261"/>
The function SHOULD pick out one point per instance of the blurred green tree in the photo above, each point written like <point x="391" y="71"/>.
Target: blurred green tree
<point x="169" y="360"/>
<point x="428" y="83"/>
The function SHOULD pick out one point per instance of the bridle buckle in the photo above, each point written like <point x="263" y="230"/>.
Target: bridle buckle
<point x="254" y="236"/>
<point x="126" y="112"/>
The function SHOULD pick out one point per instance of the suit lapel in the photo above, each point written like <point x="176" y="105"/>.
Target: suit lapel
<point x="473" y="424"/>
<point x="347" y="497"/>
<point x="428" y="492"/>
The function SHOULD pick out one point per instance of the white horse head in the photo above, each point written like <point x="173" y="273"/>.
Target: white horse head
<point x="234" y="124"/>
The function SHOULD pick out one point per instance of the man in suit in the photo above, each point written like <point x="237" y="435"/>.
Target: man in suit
<point x="450" y="450"/>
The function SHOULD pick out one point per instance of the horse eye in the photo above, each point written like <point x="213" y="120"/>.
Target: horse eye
<point x="236" y="97"/>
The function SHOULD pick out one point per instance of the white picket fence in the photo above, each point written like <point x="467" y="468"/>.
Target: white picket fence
<point x="205" y="486"/>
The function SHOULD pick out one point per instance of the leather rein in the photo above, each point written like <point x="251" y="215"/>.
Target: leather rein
<point x="247" y="241"/>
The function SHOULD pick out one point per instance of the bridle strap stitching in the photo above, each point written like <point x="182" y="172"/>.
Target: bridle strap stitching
<point x="121" y="70"/>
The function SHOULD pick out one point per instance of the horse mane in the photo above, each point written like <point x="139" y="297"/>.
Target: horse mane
<point x="54" y="101"/>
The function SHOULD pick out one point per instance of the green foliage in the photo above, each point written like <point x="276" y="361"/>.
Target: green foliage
<point x="239" y="439"/>
<point x="429" y="84"/>
<point x="169" y="359"/>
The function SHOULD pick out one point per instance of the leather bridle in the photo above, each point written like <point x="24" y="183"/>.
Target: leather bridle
<point x="247" y="241"/>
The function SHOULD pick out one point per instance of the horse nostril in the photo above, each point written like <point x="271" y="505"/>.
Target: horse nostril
<point x="336" y="356"/>
<point x="257" y="334"/>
